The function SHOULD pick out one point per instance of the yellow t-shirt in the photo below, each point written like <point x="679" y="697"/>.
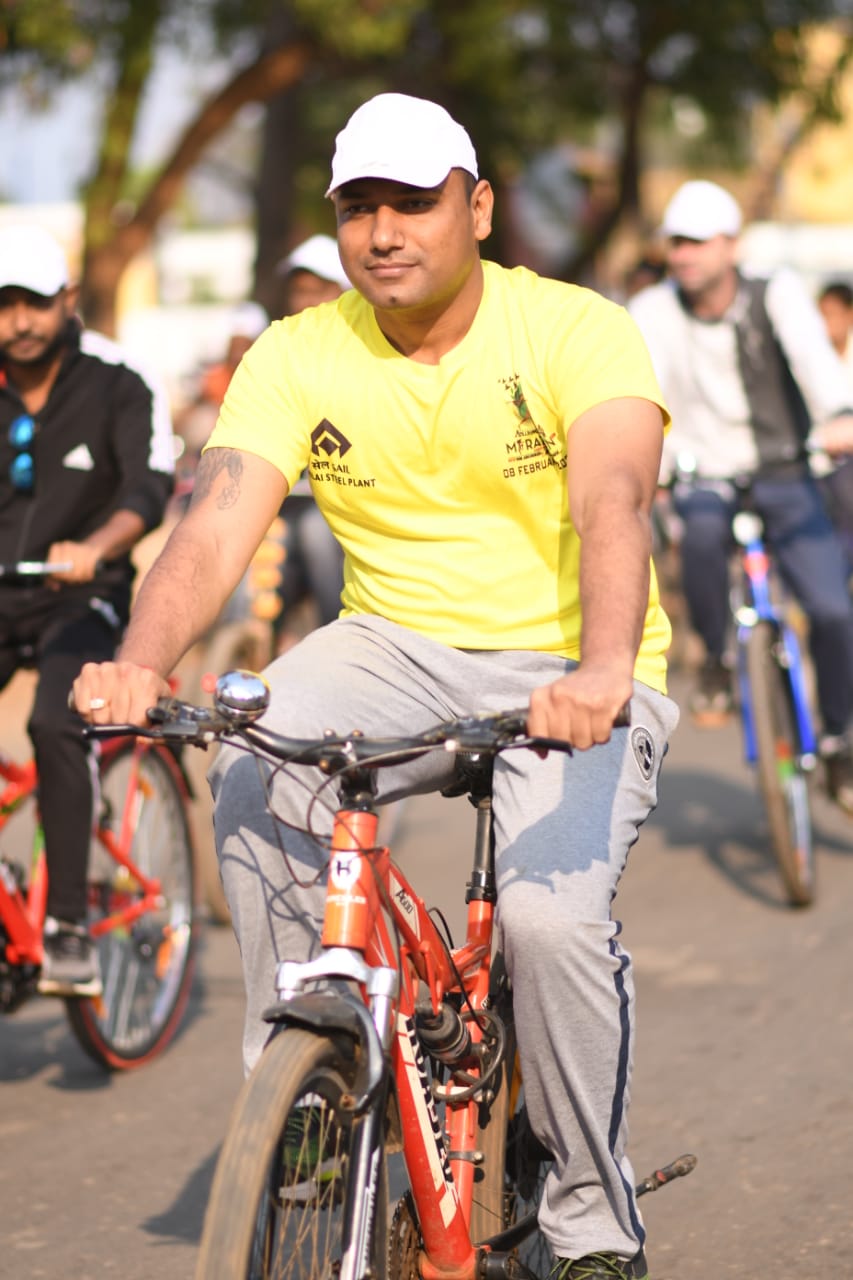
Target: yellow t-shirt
<point x="446" y="484"/>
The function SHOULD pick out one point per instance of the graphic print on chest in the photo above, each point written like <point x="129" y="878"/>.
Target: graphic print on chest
<point x="531" y="448"/>
<point x="329" y="447"/>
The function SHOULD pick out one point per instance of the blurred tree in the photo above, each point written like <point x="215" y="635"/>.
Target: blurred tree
<point x="692" y="74"/>
<point x="522" y="74"/>
<point x="47" y="42"/>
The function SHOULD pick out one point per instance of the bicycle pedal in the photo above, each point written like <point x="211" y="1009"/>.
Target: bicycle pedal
<point x="677" y="1169"/>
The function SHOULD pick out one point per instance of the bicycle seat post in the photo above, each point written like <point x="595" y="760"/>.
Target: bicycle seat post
<point x="474" y="775"/>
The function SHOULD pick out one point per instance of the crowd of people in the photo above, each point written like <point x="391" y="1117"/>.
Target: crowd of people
<point x="415" y="407"/>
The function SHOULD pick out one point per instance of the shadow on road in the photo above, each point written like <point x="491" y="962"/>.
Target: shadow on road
<point x="724" y="820"/>
<point x="184" y="1217"/>
<point x="38" y="1041"/>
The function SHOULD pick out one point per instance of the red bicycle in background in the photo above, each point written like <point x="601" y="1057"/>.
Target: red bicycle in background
<point x="140" y="897"/>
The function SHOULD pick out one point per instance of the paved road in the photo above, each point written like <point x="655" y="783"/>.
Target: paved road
<point x="744" y="1057"/>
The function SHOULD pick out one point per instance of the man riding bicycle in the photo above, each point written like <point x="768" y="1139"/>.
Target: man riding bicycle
<point x="747" y="369"/>
<point x="85" y="471"/>
<point x="485" y="444"/>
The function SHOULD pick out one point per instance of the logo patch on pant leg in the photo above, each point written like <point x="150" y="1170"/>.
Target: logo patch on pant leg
<point x="644" y="751"/>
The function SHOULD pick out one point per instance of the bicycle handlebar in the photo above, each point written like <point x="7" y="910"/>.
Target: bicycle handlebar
<point x="34" y="568"/>
<point x="184" y="723"/>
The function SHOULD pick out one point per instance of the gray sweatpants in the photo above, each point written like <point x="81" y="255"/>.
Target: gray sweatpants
<point x="563" y="829"/>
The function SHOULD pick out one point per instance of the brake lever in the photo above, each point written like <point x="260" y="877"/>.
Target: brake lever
<point x="171" y="720"/>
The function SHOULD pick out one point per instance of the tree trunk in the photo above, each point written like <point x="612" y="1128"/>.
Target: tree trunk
<point x="274" y="184"/>
<point x="107" y="254"/>
<point x="626" y="206"/>
<point x="809" y="108"/>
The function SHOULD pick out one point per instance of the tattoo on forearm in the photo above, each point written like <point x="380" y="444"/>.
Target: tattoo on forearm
<point x="210" y="465"/>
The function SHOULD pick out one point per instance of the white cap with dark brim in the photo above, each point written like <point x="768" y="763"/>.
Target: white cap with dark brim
<point x="701" y="210"/>
<point x="401" y="139"/>
<point x="31" y="259"/>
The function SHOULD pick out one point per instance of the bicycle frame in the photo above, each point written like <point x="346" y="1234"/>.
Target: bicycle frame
<point x="386" y="1002"/>
<point x="23" y="912"/>
<point x="369" y="904"/>
<point x="760" y="606"/>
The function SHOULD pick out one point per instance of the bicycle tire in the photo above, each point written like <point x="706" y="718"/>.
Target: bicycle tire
<point x="514" y="1164"/>
<point x="782" y="782"/>
<point x="265" y="1222"/>
<point x="146" y="967"/>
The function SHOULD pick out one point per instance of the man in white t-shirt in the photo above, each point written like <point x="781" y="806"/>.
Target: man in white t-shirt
<point x="751" y="381"/>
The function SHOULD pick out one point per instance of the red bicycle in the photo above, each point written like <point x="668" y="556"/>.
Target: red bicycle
<point x="140" y="899"/>
<point x="391" y="1040"/>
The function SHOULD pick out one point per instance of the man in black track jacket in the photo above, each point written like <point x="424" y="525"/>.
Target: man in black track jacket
<point x="86" y="466"/>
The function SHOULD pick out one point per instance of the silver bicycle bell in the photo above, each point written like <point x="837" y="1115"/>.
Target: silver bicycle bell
<point x="242" y="696"/>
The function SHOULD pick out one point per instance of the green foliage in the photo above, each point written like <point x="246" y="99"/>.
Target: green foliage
<point x="358" y="29"/>
<point x="43" y="41"/>
<point x="668" y="77"/>
<point x="724" y="57"/>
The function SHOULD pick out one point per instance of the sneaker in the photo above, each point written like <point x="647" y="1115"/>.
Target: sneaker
<point x="711" y="703"/>
<point x="837" y="759"/>
<point x="600" y="1266"/>
<point x="69" y="965"/>
<point x="310" y="1155"/>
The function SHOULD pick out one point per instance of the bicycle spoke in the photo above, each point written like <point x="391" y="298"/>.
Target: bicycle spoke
<point x="146" y="963"/>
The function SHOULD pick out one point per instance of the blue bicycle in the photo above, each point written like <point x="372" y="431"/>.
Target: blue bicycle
<point x="778" y="733"/>
<point x="779" y="738"/>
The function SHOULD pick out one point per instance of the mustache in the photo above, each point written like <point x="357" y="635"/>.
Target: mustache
<point x="43" y="357"/>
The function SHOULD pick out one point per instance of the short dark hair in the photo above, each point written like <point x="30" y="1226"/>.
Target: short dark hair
<point x="840" y="290"/>
<point x="469" y="182"/>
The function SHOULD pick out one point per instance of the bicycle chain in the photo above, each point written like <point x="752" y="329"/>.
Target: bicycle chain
<point x="404" y="1241"/>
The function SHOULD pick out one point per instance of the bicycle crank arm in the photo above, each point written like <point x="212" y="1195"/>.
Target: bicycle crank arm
<point x="503" y="1266"/>
<point x="678" y="1169"/>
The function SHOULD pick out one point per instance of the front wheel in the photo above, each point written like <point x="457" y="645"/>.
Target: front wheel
<point x="784" y="785"/>
<point x="283" y="1190"/>
<point x="146" y="959"/>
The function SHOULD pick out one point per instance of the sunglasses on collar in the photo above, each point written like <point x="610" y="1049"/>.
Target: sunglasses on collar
<point x="22" y="471"/>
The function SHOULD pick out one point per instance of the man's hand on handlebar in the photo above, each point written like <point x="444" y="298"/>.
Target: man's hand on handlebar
<point x="81" y="559"/>
<point x="835" y="436"/>
<point x="117" y="692"/>
<point x="581" y="707"/>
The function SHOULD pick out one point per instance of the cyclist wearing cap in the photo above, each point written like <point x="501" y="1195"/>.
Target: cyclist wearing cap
<point x="314" y="562"/>
<point x="485" y="444"/>
<point x="747" y="370"/>
<point x="312" y="273"/>
<point x="85" y="470"/>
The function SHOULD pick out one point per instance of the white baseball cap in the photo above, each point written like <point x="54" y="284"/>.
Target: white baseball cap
<point x="319" y="255"/>
<point x="402" y="139"/>
<point x="31" y="259"/>
<point x="700" y="210"/>
<point x="247" y="320"/>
